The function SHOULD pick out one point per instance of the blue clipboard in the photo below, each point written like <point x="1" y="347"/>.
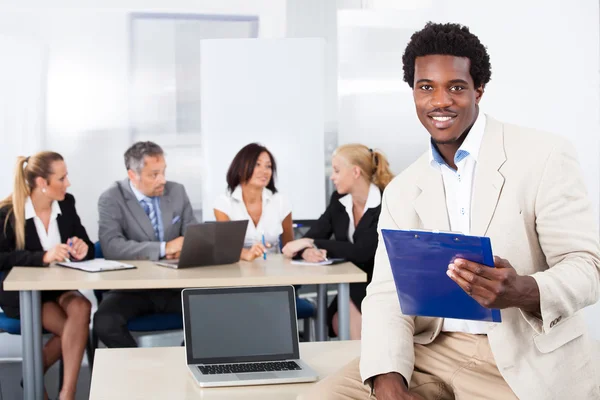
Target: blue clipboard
<point x="419" y="261"/>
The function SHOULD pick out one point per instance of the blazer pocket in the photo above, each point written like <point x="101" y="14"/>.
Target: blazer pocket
<point x="560" y="335"/>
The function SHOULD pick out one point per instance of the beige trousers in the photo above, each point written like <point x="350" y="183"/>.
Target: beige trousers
<point x="457" y="366"/>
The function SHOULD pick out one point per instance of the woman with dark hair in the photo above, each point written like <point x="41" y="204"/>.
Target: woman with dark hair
<point x="252" y="195"/>
<point x="39" y="226"/>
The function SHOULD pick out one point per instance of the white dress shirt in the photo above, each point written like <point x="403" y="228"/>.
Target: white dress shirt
<point x="275" y="208"/>
<point x="373" y="201"/>
<point x="458" y="186"/>
<point x="48" y="239"/>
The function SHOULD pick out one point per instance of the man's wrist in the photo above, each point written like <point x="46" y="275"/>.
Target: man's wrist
<point x="163" y="249"/>
<point x="528" y="295"/>
<point x="389" y="378"/>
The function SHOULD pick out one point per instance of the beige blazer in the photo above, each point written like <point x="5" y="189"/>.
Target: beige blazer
<point x="530" y="199"/>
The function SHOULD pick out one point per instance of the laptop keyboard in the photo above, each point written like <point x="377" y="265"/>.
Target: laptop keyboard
<point x="218" y="369"/>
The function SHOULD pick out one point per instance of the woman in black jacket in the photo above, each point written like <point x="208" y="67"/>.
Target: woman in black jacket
<point x="348" y="228"/>
<point x="40" y="226"/>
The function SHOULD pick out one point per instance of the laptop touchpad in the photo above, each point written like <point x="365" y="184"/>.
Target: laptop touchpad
<point x="256" y="375"/>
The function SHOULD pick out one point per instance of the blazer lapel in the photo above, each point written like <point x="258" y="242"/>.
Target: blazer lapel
<point x="430" y="205"/>
<point x="365" y="221"/>
<point x="62" y="228"/>
<point x="166" y="211"/>
<point x="31" y="236"/>
<point x="488" y="181"/>
<point x="137" y="211"/>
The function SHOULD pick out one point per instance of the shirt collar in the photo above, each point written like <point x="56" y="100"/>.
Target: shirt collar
<point x="138" y="195"/>
<point x="373" y="198"/>
<point x="30" y="211"/>
<point x="237" y="194"/>
<point x="470" y="147"/>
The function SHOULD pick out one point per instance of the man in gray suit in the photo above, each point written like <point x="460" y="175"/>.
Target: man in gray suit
<point x="143" y="217"/>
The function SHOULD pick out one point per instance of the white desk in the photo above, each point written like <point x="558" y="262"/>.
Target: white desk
<point x="161" y="373"/>
<point x="276" y="270"/>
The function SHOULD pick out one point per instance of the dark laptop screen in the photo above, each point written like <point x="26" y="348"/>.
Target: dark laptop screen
<point x="240" y="324"/>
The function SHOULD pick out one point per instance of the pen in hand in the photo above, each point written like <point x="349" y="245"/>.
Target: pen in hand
<point x="265" y="246"/>
<point x="70" y="244"/>
<point x="316" y="248"/>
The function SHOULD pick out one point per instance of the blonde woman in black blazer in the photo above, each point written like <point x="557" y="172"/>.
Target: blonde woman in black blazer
<point x="39" y="226"/>
<point x="348" y="227"/>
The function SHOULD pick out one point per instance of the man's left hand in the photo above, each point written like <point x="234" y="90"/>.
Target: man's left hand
<point x="500" y="287"/>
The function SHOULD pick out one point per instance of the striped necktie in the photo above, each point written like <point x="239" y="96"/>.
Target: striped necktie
<point x="151" y="213"/>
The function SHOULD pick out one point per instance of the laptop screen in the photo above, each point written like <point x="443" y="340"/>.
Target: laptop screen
<point x="240" y="324"/>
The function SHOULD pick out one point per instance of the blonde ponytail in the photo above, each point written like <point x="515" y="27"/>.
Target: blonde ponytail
<point x="372" y="163"/>
<point x="382" y="175"/>
<point x="27" y="169"/>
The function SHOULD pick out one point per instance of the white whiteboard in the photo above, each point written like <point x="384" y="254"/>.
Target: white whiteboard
<point x="271" y="92"/>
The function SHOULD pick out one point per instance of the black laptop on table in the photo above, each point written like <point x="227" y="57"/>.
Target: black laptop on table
<point x="210" y="243"/>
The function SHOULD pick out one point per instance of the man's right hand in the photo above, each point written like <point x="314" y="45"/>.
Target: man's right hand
<point x="391" y="386"/>
<point x="173" y="247"/>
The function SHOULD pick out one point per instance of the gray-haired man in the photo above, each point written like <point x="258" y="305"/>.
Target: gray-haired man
<point x="143" y="217"/>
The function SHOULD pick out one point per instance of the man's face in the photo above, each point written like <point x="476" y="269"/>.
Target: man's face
<point x="151" y="179"/>
<point x="445" y="96"/>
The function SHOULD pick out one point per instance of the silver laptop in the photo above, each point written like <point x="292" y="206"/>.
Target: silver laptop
<point x="210" y="243"/>
<point x="243" y="336"/>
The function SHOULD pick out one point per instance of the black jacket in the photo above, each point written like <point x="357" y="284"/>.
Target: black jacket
<point x="69" y="225"/>
<point x="334" y="222"/>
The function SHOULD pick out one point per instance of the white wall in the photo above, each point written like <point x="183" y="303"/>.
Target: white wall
<point x="545" y="63"/>
<point x="271" y="92"/>
<point x="22" y="75"/>
<point x="318" y="18"/>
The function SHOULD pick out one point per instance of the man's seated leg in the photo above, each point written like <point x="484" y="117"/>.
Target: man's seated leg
<point x="347" y="384"/>
<point x="476" y="375"/>
<point x="115" y="309"/>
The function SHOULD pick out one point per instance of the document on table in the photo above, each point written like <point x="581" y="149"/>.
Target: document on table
<point x="96" y="265"/>
<point x="328" y="261"/>
<point x="419" y="260"/>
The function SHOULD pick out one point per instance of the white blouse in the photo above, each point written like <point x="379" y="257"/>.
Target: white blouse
<point x="47" y="239"/>
<point x="373" y="201"/>
<point x="275" y="208"/>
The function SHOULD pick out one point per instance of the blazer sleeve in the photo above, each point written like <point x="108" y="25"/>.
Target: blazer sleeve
<point x="81" y="233"/>
<point x="115" y="245"/>
<point x="360" y="252"/>
<point x="387" y="335"/>
<point x="568" y="235"/>
<point x="9" y="256"/>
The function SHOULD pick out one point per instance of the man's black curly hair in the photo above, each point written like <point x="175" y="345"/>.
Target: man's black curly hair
<point x="447" y="39"/>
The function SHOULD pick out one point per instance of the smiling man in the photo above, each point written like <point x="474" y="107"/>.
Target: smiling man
<point x="524" y="190"/>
